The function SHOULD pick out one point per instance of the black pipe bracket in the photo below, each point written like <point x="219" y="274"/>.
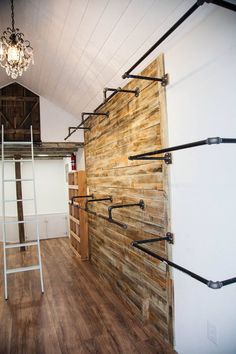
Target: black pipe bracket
<point x="209" y="141"/>
<point x="119" y="206"/>
<point x="89" y="114"/>
<point x="221" y="3"/>
<point x="167" y="158"/>
<point x="163" y="80"/>
<point x="110" y="218"/>
<point x="118" y="90"/>
<point x="96" y="200"/>
<point x="93" y="114"/>
<point x="210" y="283"/>
<point x="214" y="284"/>
<point x="72" y="130"/>
<point x="86" y="210"/>
<point x="80" y="197"/>
<point x="169" y="237"/>
<point x="113" y="221"/>
<point x="76" y="128"/>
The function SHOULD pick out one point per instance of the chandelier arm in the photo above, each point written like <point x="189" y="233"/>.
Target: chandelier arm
<point x="27" y="44"/>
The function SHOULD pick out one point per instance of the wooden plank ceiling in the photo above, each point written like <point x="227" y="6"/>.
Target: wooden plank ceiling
<point x="82" y="46"/>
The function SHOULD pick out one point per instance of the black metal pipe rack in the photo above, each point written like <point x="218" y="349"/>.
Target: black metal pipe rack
<point x="119" y="206"/>
<point x="222" y="3"/>
<point x="127" y="205"/>
<point x="164" y="80"/>
<point x="94" y="201"/>
<point x="187" y="14"/>
<point x="110" y="218"/>
<point x="113" y="221"/>
<point x="72" y="130"/>
<point x="210" y="283"/>
<point x="87" y="210"/>
<point x="80" y="197"/>
<point x="208" y="141"/>
<point x="117" y="90"/>
<point x="92" y="114"/>
<point x="169" y="237"/>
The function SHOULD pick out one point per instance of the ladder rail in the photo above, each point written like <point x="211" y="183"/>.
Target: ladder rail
<point x="36" y="211"/>
<point x="4" y="220"/>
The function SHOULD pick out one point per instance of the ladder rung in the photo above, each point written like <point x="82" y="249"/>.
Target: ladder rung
<point x="14" y="245"/>
<point x="17" y="142"/>
<point x="22" y="160"/>
<point x="18" y="179"/>
<point x="22" y="269"/>
<point x="18" y="200"/>
<point x="19" y="222"/>
<point x="14" y="160"/>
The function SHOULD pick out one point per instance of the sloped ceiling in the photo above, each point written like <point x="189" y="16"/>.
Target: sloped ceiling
<point x="82" y="46"/>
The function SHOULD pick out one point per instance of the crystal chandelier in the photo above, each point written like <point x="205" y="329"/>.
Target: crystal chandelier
<point x="16" y="54"/>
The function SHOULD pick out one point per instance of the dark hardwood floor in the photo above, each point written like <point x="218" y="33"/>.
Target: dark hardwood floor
<point x="78" y="313"/>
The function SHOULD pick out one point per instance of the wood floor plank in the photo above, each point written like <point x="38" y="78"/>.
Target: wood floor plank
<point x="78" y="314"/>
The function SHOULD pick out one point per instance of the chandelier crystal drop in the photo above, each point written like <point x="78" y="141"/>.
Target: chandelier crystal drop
<point x="16" y="54"/>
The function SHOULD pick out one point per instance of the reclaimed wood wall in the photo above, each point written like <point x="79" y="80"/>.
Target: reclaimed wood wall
<point x="135" y="125"/>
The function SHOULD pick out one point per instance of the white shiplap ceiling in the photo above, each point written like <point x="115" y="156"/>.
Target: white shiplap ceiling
<point x="82" y="46"/>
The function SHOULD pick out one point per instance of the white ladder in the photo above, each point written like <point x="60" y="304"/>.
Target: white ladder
<point x="6" y="245"/>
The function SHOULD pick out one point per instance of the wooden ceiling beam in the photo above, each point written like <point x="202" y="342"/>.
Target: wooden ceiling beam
<point x="20" y="131"/>
<point x="52" y="150"/>
<point x="6" y="119"/>
<point x="29" y="114"/>
<point x="18" y="98"/>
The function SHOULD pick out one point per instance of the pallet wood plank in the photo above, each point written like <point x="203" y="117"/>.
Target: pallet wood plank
<point x="135" y="125"/>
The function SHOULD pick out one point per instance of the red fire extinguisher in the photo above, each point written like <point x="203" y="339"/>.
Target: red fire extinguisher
<point x="73" y="162"/>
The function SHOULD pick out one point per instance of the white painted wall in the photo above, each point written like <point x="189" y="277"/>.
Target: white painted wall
<point x="51" y="194"/>
<point x="55" y="122"/>
<point x="80" y="159"/>
<point x="201" y="103"/>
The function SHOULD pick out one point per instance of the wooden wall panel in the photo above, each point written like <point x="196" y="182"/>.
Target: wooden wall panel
<point x="19" y="109"/>
<point x="135" y="125"/>
<point x="78" y="218"/>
